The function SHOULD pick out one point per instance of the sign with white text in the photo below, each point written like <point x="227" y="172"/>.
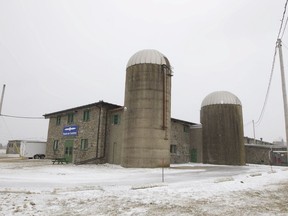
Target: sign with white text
<point x="70" y="130"/>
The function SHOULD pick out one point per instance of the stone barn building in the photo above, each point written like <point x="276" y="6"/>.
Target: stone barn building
<point x="186" y="142"/>
<point x="86" y="133"/>
<point x="94" y="133"/>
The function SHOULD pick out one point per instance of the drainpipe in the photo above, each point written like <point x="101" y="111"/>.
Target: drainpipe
<point x="98" y="130"/>
<point x="98" y="134"/>
<point x="164" y="98"/>
<point x="105" y="135"/>
<point x="165" y="127"/>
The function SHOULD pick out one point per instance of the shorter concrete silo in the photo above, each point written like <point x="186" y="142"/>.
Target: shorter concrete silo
<point x="222" y="125"/>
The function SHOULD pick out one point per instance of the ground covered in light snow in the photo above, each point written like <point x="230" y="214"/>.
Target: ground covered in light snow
<point x="37" y="187"/>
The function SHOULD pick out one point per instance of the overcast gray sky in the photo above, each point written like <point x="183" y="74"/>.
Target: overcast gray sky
<point x="60" y="54"/>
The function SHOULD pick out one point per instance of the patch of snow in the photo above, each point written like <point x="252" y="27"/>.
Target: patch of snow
<point x="37" y="187"/>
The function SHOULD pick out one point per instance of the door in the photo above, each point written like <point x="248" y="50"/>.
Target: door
<point x="68" y="150"/>
<point x="193" y="154"/>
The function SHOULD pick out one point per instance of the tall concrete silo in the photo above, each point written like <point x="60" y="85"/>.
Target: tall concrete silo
<point x="222" y="129"/>
<point x="148" y="111"/>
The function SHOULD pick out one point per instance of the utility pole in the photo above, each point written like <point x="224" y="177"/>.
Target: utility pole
<point x="279" y="44"/>
<point x="2" y="98"/>
<point x="254" y="131"/>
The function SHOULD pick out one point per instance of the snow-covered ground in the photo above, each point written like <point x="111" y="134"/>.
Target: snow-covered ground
<point x="37" y="187"/>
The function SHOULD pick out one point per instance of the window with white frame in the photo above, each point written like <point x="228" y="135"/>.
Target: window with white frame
<point x="84" y="144"/>
<point x="55" y="145"/>
<point x="116" y="119"/>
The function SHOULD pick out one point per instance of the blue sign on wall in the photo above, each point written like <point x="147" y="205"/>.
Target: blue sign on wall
<point x="70" y="130"/>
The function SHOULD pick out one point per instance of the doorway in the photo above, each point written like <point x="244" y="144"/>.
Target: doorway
<point x="68" y="150"/>
<point x="193" y="155"/>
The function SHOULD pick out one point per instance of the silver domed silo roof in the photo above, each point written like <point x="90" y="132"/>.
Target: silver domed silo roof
<point x="220" y="97"/>
<point x="148" y="56"/>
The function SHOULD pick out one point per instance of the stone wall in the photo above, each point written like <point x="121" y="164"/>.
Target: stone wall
<point x="264" y="154"/>
<point x="180" y="137"/>
<point x="93" y="130"/>
<point x="257" y="154"/>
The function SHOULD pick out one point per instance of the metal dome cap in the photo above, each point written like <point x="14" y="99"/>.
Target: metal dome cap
<point x="220" y="97"/>
<point x="148" y="56"/>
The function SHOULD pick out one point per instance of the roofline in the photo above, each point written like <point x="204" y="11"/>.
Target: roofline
<point x="266" y="146"/>
<point x="99" y="104"/>
<point x="32" y="141"/>
<point x="114" y="107"/>
<point x="182" y="121"/>
<point x="121" y="108"/>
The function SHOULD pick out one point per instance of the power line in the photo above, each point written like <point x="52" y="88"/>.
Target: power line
<point x="21" y="117"/>
<point x="273" y="64"/>
<point x="284" y="27"/>
<point x="268" y="89"/>
<point x="6" y="125"/>
<point x="282" y="20"/>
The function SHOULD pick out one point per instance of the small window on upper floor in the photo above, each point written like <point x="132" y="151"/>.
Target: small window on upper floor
<point x="116" y="119"/>
<point x="86" y="115"/>
<point x="58" y="120"/>
<point x="186" y="128"/>
<point x="173" y="149"/>
<point x="84" y="144"/>
<point x="70" y="118"/>
<point x="55" y="145"/>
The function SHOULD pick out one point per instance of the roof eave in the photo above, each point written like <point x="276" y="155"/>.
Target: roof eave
<point x="98" y="104"/>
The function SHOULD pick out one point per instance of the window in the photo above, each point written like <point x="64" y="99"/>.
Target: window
<point x="84" y="144"/>
<point x="55" y="145"/>
<point x="116" y="119"/>
<point x="70" y="118"/>
<point x="68" y="151"/>
<point x="173" y="149"/>
<point x="58" y="120"/>
<point x="86" y="115"/>
<point x="186" y="128"/>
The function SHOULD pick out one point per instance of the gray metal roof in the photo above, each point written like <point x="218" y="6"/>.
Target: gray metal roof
<point x="101" y="103"/>
<point x="148" y="56"/>
<point x="220" y="97"/>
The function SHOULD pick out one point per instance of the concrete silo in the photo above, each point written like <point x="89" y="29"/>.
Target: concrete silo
<point x="222" y="129"/>
<point x="148" y="111"/>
